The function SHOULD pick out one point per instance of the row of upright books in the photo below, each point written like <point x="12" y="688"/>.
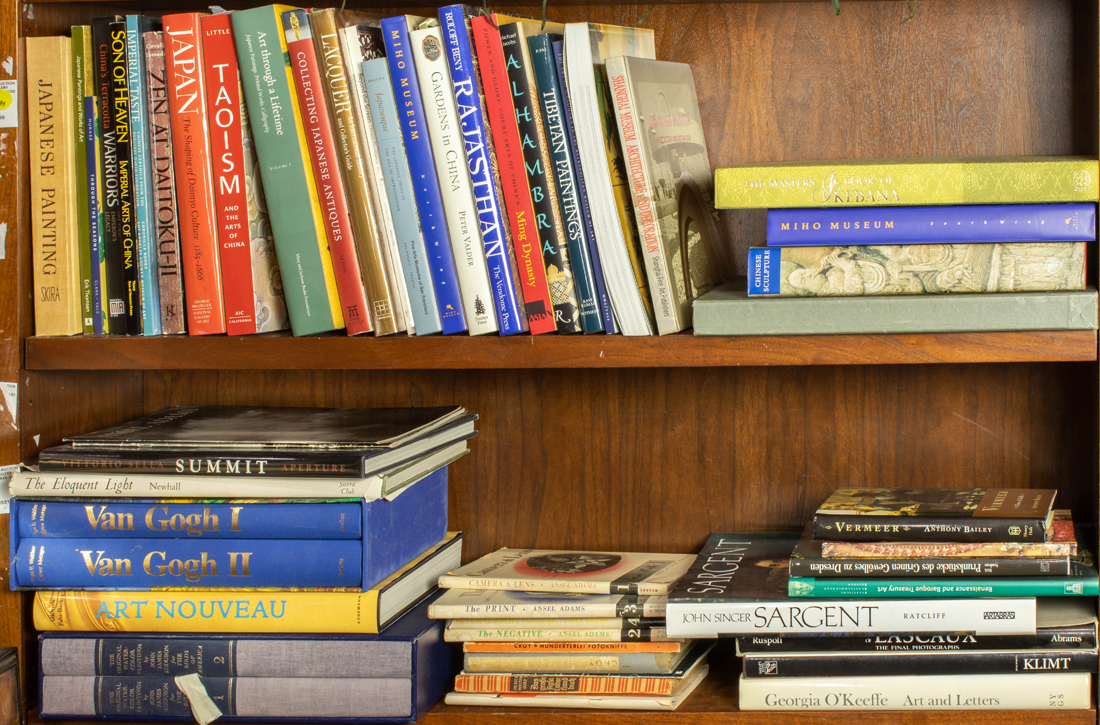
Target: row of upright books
<point x="255" y="170"/>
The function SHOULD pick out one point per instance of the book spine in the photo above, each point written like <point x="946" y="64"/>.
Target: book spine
<point x="926" y="663"/>
<point x="368" y="233"/>
<point x="630" y="663"/>
<point x="80" y="68"/>
<point x="563" y="623"/>
<point x="482" y="167"/>
<point x="194" y="171"/>
<point x="293" y="205"/>
<point x="979" y="550"/>
<point x="94" y="178"/>
<point x="426" y="191"/>
<point x="1081" y="637"/>
<point x="562" y="684"/>
<point x="514" y="182"/>
<point x="932" y="225"/>
<point x="962" y="567"/>
<point x="135" y="563"/>
<point x="123" y="520"/>
<point x="925" y="182"/>
<point x="141" y="146"/>
<point x="536" y="160"/>
<point x="603" y="298"/>
<point x="308" y="464"/>
<point x="308" y="85"/>
<point x="169" y="280"/>
<point x="929" y="528"/>
<point x="109" y="188"/>
<point x="626" y="606"/>
<point x="1069" y="691"/>
<point x="120" y="103"/>
<point x="580" y="634"/>
<point x="399" y="196"/>
<point x="536" y="647"/>
<point x="925" y="587"/>
<point x="105" y="485"/>
<point x="537" y="585"/>
<point x="454" y="180"/>
<point x="551" y="107"/>
<point x="228" y="612"/>
<point x="55" y="256"/>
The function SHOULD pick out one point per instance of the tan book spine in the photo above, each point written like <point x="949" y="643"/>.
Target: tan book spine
<point x="543" y="663"/>
<point x="565" y="684"/>
<point x="53" y="187"/>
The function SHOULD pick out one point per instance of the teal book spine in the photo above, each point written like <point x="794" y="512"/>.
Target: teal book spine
<point x="1073" y="586"/>
<point x="142" y="172"/>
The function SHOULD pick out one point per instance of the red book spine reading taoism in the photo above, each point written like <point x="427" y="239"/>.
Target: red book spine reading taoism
<point x="513" y="175"/>
<point x="223" y="103"/>
<point x="191" y="157"/>
<point x="309" y="85"/>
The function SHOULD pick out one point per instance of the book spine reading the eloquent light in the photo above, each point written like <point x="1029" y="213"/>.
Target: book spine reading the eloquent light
<point x="961" y="567"/>
<point x="454" y="181"/>
<point x="120" y="105"/>
<point x="482" y="166"/>
<point x="991" y="180"/>
<point x="626" y="606"/>
<point x="645" y="663"/>
<point x="56" y="258"/>
<point x="1065" y="691"/>
<point x="928" y="527"/>
<point x="150" y="519"/>
<point x="926" y="663"/>
<point x="84" y="45"/>
<point x="348" y="170"/>
<point x="536" y="159"/>
<point x="515" y="185"/>
<point x="144" y="563"/>
<point x="426" y="191"/>
<point x="172" y="318"/>
<point x="1077" y="637"/>
<point x="580" y="634"/>
<point x="80" y="54"/>
<point x="1041" y="586"/>
<point x="550" y="103"/>
<point x="565" y="683"/>
<point x="251" y="286"/>
<point x="306" y="464"/>
<point x="603" y="299"/>
<point x="140" y="144"/>
<point x="275" y="116"/>
<point x="166" y="485"/>
<point x="109" y="186"/>
<point x="194" y="172"/>
<point x="247" y="697"/>
<point x="346" y="264"/>
<point x="933" y="224"/>
<point x="399" y="196"/>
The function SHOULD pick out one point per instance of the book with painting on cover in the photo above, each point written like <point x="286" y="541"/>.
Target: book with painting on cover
<point x="595" y="572"/>
<point x="935" y="514"/>
<point x="477" y="603"/>
<point x="671" y="184"/>
<point x="916" y="269"/>
<point x="738" y="585"/>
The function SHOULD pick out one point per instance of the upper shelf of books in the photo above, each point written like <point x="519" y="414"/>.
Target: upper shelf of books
<point x="279" y="351"/>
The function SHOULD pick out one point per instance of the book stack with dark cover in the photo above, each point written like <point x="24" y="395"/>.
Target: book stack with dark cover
<point x="578" y="629"/>
<point x="976" y="603"/>
<point x="272" y="558"/>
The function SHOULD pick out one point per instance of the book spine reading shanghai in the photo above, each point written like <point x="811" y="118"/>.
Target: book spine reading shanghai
<point x="312" y="606"/>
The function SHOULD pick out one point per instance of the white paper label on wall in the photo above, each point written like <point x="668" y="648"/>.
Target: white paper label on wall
<point x="10" y="402"/>
<point x="5" y="492"/>
<point x="9" y="104"/>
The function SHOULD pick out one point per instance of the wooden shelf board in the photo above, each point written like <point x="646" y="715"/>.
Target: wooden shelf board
<point x="331" y="352"/>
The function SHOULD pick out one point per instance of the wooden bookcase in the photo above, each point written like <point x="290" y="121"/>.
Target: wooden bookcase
<point x="651" y="444"/>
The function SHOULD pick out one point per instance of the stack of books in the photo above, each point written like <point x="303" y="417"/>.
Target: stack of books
<point x="940" y="623"/>
<point x="302" y="599"/>
<point x="579" y="629"/>
<point x="888" y="246"/>
<point x="193" y="171"/>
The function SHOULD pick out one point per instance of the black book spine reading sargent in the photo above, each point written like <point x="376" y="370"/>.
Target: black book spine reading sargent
<point x="913" y="663"/>
<point x="833" y="527"/>
<point x="993" y="567"/>
<point x="108" y="161"/>
<point x="1072" y="637"/>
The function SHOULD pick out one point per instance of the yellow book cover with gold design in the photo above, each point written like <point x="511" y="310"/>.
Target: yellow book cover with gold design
<point x="908" y="182"/>
<point x="55" y="257"/>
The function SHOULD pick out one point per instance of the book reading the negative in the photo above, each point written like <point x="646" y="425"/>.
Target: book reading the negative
<point x="595" y="572"/>
<point x="935" y="514"/>
<point x="475" y="603"/>
<point x="738" y="585"/>
<point x="670" y="183"/>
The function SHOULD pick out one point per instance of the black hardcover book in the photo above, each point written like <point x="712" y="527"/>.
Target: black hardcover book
<point x="807" y="561"/>
<point x="559" y="273"/>
<point x="871" y="664"/>
<point x="935" y="514"/>
<point x="109" y="167"/>
<point x="1062" y="623"/>
<point x="120" y="108"/>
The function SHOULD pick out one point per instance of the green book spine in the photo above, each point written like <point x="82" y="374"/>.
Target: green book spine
<point x="285" y="168"/>
<point x="80" y="131"/>
<point x="1074" y="586"/>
